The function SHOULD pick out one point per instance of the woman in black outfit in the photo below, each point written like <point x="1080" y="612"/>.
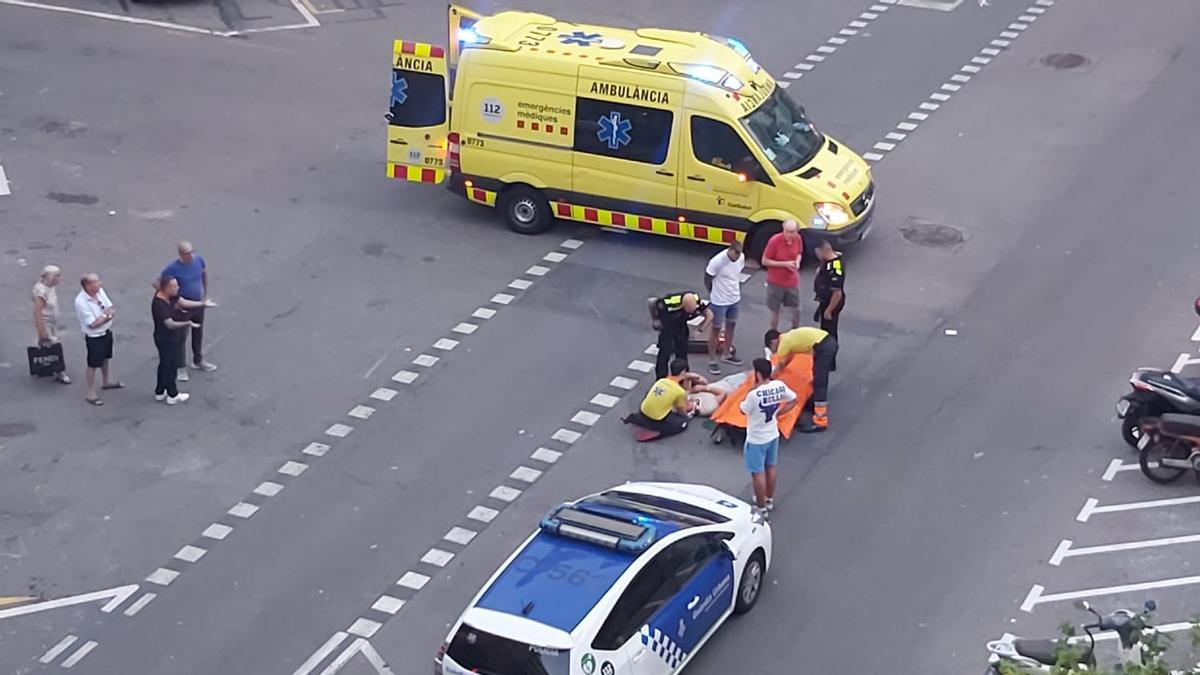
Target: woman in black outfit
<point x="165" y="306"/>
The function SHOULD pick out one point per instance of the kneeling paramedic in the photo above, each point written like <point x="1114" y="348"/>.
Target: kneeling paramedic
<point x="666" y="408"/>
<point x="823" y="347"/>
<point x="670" y="315"/>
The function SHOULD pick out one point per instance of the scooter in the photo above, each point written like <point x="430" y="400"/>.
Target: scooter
<point x="1169" y="446"/>
<point x="1156" y="392"/>
<point x="1040" y="656"/>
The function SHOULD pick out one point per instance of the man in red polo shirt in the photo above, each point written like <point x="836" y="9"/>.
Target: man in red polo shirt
<point x="781" y="258"/>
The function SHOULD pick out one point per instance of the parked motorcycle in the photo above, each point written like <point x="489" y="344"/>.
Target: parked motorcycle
<point x="1155" y="392"/>
<point x="1169" y="446"/>
<point x="1024" y="655"/>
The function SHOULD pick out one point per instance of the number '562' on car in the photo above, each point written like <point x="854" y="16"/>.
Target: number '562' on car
<point x="630" y="581"/>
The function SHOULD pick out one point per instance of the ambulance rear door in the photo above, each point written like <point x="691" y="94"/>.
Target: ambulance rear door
<point x="418" y="120"/>
<point x="461" y="22"/>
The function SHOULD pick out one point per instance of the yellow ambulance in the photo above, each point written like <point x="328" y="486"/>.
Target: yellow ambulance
<point x="662" y="131"/>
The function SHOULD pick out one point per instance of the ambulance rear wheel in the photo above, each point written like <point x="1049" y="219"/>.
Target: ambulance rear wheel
<point x="756" y="241"/>
<point x="525" y="210"/>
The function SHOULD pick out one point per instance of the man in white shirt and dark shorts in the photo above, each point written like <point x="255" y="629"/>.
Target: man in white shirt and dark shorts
<point x="95" y="312"/>
<point x="763" y="405"/>
<point x="723" y="279"/>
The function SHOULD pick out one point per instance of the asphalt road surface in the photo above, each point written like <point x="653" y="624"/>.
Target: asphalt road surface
<point x="405" y="386"/>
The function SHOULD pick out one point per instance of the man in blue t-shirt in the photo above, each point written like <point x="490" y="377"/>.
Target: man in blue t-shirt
<point x="191" y="272"/>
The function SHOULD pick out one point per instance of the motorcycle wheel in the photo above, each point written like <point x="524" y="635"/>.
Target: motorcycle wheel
<point x="1171" y="448"/>
<point x="1130" y="431"/>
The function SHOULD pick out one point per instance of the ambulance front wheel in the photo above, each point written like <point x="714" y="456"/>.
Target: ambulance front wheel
<point x="756" y="241"/>
<point x="525" y="210"/>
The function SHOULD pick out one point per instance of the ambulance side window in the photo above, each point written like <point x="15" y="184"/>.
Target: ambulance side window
<point x="717" y="144"/>
<point x="418" y="99"/>
<point x="622" y="131"/>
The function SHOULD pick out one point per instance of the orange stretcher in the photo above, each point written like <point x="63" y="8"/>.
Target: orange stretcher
<point x="798" y="377"/>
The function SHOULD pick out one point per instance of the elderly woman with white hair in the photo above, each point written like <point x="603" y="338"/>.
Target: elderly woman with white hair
<point x="45" y="311"/>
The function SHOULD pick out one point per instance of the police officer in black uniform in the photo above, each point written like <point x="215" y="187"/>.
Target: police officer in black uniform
<point x="669" y="316"/>
<point x="829" y="290"/>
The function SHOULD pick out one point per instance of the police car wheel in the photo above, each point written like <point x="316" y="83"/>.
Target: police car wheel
<point x="525" y="210"/>
<point x="751" y="584"/>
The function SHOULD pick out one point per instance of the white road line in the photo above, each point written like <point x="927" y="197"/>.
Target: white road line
<point x="793" y="75"/>
<point x="652" y="350"/>
<point x="505" y="493"/>
<point x="939" y="96"/>
<point x="340" y="430"/>
<point x="243" y="510"/>
<point x="425" y="360"/>
<point x="884" y="146"/>
<point x="57" y="649"/>
<point x="293" y="469"/>
<point x="981" y="60"/>
<point x="971" y="69"/>
<point x="847" y="31"/>
<point x="403" y="377"/>
<point x="1018" y="26"/>
<point x="112" y="17"/>
<point x="872" y="156"/>
<point x="857" y="24"/>
<point x="895" y="136"/>
<point x="959" y="77"/>
<point x="919" y="116"/>
<point x="605" y="400"/>
<point x="5" y="190"/>
<point x="1182" y="362"/>
<point x="465" y="328"/>
<point x="216" y="531"/>
<point x="79" y="654"/>
<point x="990" y="51"/>
<point x="1001" y="43"/>
<point x="483" y="313"/>
<point x="826" y="49"/>
<point x="413" y="580"/>
<point x="525" y="474"/>
<point x="538" y="270"/>
<point x="641" y="366"/>
<point x="805" y="66"/>
<point x="139" y="604"/>
<point x="1196" y="335"/>
<point x="906" y="126"/>
<point x="815" y="58"/>
<point x="436" y="557"/>
<point x="837" y="40"/>
<point x="585" y="417"/>
<point x="1036" y="10"/>
<point x="318" y="656"/>
<point x="445" y="344"/>
<point x="520" y="284"/>
<point x="868" y="16"/>
<point x="543" y="455"/>
<point x="1037" y="594"/>
<point x="364" y="627"/>
<point x="163" y="576"/>
<point x="1044" y="3"/>
<point x="319" y="449"/>
<point x="362" y="412"/>
<point x="268" y="488"/>
<point x="387" y="604"/>
<point x="503" y="298"/>
<point x="926" y="105"/>
<point x="1117" y="466"/>
<point x="483" y="514"/>
<point x="1091" y="506"/>
<point x="460" y="535"/>
<point x="554" y="257"/>
<point x="116" y="596"/>
<point x="622" y="382"/>
<point x="1010" y="35"/>
<point x="951" y="87"/>
<point x="1065" y="551"/>
<point x="571" y="244"/>
<point x="190" y="553"/>
<point x="566" y="436"/>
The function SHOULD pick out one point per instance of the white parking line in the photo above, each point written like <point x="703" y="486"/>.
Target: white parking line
<point x="1196" y="335"/>
<point x="1037" y="594"/>
<point x="5" y="190"/>
<point x="319" y="655"/>
<point x="1184" y="361"/>
<point x="1092" y="507"/>
<point x="1117" y="466"/>
<point x="1064" y="549"/>
<point x="79" y="654"/>
<point x="57" y="649"/>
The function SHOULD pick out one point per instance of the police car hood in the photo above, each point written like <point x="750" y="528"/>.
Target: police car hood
<point x="700" y="496"/>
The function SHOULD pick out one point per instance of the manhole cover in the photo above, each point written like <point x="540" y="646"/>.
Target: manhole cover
<point x="931" y="234"/>
<point x="1065" y="61"/>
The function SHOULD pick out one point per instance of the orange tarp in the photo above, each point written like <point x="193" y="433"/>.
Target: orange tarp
<point x="798" y="377"/>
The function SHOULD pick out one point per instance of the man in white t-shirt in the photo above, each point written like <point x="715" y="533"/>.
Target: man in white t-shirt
<point x="723" y="279"/>
<point x="763" y="405"/>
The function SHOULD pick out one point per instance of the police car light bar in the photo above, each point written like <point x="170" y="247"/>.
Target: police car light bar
<point x="608" y="531"/>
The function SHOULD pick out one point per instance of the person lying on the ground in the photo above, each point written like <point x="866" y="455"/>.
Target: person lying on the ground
<point x="707" y="397"/>
<point x="666" y="408"/>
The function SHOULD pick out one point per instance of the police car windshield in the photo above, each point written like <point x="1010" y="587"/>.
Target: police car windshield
<point x="487" y="654"/>
<point x="783" y="132"/>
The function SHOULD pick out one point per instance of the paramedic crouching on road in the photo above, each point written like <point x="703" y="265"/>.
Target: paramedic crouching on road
<point x="669" y="316"/>
<point x="666" y="408"/>
<point x="823" y="347"/>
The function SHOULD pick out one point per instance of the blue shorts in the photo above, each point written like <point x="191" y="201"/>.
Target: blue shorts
<point x="723" y="312"/>
<point x="758" y="456"/>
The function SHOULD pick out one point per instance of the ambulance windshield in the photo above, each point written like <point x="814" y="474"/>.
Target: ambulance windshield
<point x="783" y="132"/>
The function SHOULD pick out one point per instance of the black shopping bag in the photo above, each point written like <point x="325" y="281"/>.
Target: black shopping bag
<point x="46" y="361"/>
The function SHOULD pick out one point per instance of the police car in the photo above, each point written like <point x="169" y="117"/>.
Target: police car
<point x="629" y="581"/>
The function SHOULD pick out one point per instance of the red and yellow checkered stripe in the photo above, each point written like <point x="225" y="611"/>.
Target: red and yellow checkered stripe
<point x="420" y="49"/>
<point x="671" y="228"/>
<point x="416" y="174"/>
<point x="485" y="197"/>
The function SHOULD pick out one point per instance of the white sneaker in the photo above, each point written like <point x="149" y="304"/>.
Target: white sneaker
<point x="770" y="504"/>
<point x="160" y="397"/>
<point x="178" y="399"/>
<point x="182" y="375"/>
<point x="205" y="366"/>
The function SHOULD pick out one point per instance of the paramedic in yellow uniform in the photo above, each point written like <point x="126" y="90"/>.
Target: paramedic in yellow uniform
<point x="823" y="347"/>
<point x="666" y="408"/>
